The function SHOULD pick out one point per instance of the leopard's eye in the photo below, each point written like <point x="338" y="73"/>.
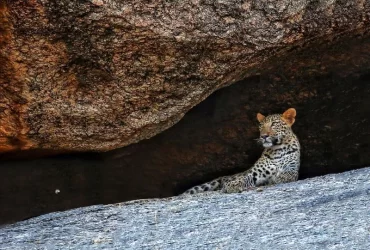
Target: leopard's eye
<point x="273" y="124"/>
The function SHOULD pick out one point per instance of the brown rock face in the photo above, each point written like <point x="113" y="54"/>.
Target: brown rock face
<point x="98" y="75"/>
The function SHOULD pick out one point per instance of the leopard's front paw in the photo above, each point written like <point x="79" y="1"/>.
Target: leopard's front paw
<point x="233" y="187"/>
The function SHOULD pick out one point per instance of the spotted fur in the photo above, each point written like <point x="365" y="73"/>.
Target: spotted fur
<point x="278" y="163"/>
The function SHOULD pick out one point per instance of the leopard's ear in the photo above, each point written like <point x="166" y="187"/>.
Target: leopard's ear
<point x="289" y="116"/>
<point x="260" y="117"/>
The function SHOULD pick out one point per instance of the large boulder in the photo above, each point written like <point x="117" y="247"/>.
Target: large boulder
<point x="329" y="212"/>
<point x="97" y="75"/>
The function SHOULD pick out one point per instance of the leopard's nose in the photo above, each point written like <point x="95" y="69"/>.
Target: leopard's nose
<point x="264" y="136"/>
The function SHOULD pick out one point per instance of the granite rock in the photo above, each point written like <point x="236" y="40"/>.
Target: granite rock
<point x="327" y="212"/>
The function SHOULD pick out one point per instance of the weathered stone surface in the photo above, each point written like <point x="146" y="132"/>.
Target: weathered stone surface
<point x="326" y="78"/>
<point x="328" y="212"/>
<point x="101" y="74"/>
<point x="215" y="138"/>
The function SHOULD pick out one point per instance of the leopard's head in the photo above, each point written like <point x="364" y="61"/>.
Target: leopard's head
<point x="273" y="128"/>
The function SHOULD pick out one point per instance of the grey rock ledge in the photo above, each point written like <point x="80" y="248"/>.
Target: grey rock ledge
<point x="327" y="212"/>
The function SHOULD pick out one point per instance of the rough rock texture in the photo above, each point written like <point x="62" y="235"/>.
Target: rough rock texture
<point x="101" y="74"/>
<point x="215" y="138"/>
<point x="329" y="212"/>
<point x="64" y="99"/>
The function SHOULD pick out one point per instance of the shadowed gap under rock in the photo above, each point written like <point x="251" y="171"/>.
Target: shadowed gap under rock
<point x="215" y="138"/>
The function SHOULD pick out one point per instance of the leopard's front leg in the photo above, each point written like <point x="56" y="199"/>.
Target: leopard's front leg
<point x="284" y="177"/>
<point x="238" y="184"/>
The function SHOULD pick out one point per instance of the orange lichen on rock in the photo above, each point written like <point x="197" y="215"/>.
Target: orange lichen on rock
<point x="12" y="129"/>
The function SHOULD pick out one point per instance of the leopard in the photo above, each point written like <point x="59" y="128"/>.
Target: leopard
<point x="279" y="161"/>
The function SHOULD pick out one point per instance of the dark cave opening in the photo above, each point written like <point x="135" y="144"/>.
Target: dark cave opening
<point x="215" y="138"/>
